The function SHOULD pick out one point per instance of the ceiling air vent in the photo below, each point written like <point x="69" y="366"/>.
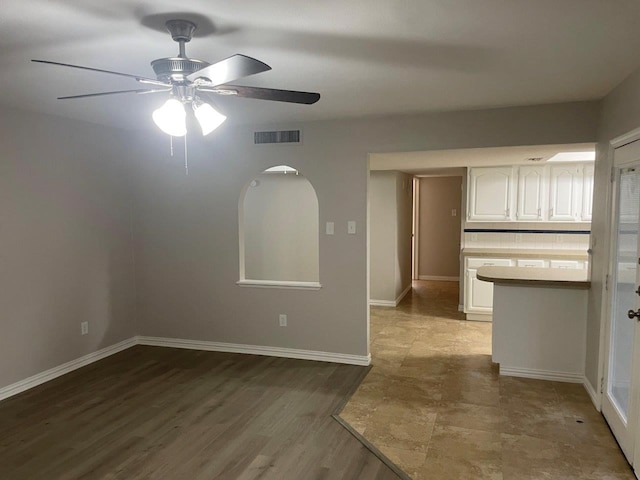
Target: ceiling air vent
<point x="278" y="136"/>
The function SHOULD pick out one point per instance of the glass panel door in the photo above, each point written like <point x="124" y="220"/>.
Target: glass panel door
<point x="618" y="400"/>
<point x="624" y="297"/>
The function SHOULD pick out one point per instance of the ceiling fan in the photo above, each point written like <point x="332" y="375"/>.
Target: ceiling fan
<point x="190" y="82"/>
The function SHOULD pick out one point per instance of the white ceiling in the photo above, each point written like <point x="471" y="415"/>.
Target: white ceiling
<point x="366" y="57"/>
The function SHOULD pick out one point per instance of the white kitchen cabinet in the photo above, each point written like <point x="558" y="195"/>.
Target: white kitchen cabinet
<point x="531" y="204"/>
<point x="587" y="193"/>
<point x="490" y="194"/>
<point x="565" y="192"/>
<point x="532" y="262"/>
<point x="574" y="264"/>
<point x="561" y="192"/>
<point x="478" y="295"/>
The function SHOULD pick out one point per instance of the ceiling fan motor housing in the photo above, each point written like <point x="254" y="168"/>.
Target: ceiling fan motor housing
<point x="175" y="69"/>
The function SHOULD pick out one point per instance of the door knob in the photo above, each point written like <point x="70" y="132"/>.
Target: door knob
<point x="632" y="314"/>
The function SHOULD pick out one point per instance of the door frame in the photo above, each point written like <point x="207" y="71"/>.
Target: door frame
<point x="607" y="290"/>
<point x="595" y="391"/>
<point x="415" y="254"/>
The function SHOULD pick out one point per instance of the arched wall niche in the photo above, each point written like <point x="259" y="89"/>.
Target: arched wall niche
<point x="279" y="230"/>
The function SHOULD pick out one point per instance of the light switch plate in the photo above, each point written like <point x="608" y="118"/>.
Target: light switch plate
<point x="330" y="228"/>
<point x="351" y="227"/>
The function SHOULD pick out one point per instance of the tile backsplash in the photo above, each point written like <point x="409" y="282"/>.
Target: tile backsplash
<point x="547" y="240"/>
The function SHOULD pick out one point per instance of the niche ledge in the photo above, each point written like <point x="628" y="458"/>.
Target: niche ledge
<point x="279" y="284"/>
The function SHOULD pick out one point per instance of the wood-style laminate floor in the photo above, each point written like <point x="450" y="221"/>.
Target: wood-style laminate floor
<point x="169" y="414"/>
<point x="435" y="404"/>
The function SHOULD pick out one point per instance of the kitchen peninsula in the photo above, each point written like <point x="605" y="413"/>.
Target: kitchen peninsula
<point x="539" y="321"/>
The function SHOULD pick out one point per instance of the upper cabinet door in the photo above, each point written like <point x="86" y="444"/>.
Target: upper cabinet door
<point x="587" y="193"/>
<point x="490" y="193"/>
<point x="565" y="193"/>
<point x="531" y="194"/>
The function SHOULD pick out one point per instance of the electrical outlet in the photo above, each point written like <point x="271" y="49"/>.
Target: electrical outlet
<point x="283" y="320"/>
<point x="474" y="237"/>
<point x="84" y="328"/>
<point x="518" y="238"/>
<point x="558" y="238"/>
<point x="454" y="212"/>
<point x="351" y="227"/>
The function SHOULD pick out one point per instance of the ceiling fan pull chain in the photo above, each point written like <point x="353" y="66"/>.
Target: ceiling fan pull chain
<point x="186" y="162"/>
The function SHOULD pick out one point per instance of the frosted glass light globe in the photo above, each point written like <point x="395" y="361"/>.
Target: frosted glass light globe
<point x="171" y="118"/>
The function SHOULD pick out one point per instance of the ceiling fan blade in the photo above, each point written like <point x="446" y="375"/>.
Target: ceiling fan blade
<point x="116" y="92"/>
<point x="290" y="96"/>
<point x="138" y="78"/>
<point x="229" y="69"/>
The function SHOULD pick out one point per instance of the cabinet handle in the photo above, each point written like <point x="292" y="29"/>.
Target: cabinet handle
<point x="539" y="212"/>
<point x="486" y="264"/>
<point x="550" y="212"/>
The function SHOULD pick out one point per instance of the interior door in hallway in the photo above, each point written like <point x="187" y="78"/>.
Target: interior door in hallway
<point x="619" y="403"/>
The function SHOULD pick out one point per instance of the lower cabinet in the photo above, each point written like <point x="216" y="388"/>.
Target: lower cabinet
<point x="478" y="295"/>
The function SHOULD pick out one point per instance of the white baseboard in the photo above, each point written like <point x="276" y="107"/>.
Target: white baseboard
<point x="63" y="369"/>
<point x="438" y="278"/>
<point x="479" y="317"/>
<point x="390" y="303"/>
<point x="542" y="374"/>
<point x="403" y="294"/>
<point x="595" y="398"/>
<point x="363" y="360"/>
<point x="382" y="303"/>
<point x="40" y="378"/>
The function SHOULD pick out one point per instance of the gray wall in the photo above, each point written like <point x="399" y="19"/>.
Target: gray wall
<point x="620" y="114"/>
<point x="280" y="229"/>
<point x="65" y="226"/>
<point x="383" y="235"/>
<point x="187" y="227"/>
<point x="65" y="232"/>
<point x="390" y="223"/>
<point x="439" y="249"/>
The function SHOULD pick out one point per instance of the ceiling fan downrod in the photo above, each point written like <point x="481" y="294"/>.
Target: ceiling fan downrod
<point x="174" y="70"/>
<point x="181" y="31"/>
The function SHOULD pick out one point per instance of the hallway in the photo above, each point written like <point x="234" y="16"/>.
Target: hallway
<point x="436" y="406"/>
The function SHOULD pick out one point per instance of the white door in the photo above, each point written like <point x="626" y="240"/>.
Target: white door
<point x="620" y="383"/>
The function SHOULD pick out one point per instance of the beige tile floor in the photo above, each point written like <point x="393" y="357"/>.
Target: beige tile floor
<point x="437" y="407"/>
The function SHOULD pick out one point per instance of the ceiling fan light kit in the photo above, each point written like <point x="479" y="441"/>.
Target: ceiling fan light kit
<point x="191" y="81"/>
<point x="171" y="118"/>
<point x="208" y="117"/>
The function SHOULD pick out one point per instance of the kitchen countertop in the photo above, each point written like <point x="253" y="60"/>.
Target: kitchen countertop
<point x="540" y="277"/>
<point x="526" y="253"/>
